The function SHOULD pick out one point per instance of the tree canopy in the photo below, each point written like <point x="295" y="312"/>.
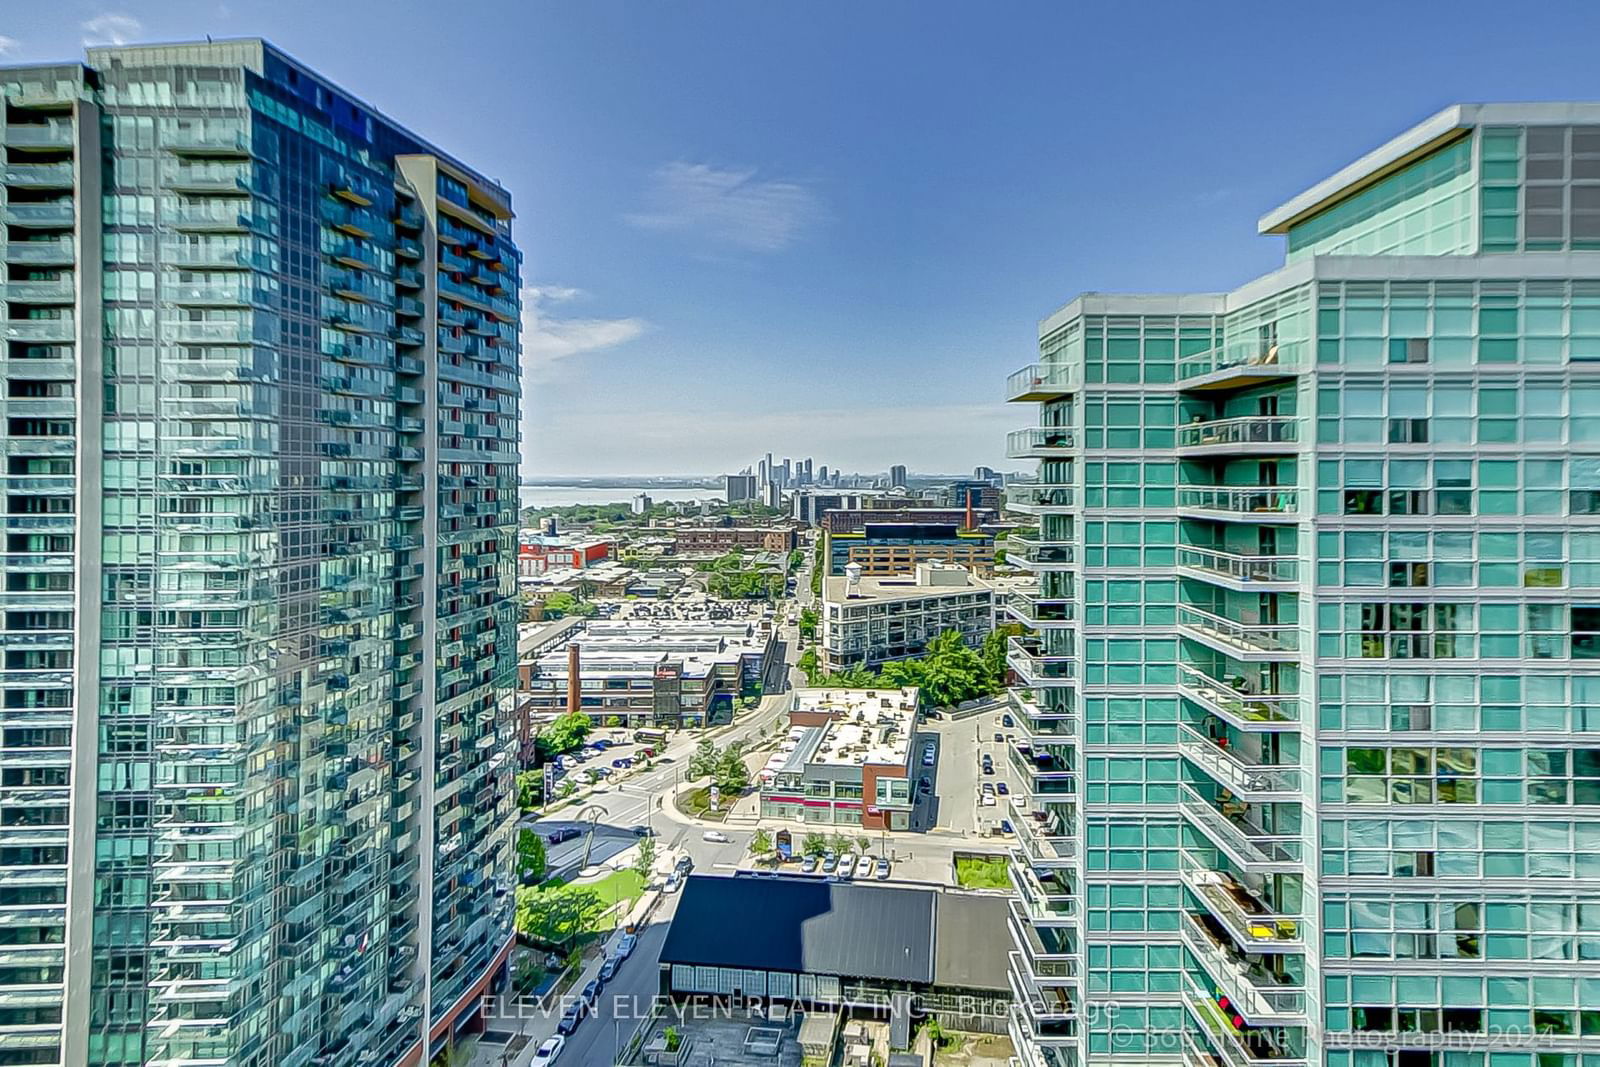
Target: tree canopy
<point x="948" y="672"/>
<point x="557" y="915"/>
<point x="564" y="734"/>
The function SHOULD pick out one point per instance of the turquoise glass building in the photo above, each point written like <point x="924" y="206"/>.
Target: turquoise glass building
<point x="261" y="396"/>
<point x="1313" y="692"/>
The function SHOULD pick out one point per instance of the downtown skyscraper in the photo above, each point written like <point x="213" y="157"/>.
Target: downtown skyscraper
<point x="261" y="393"/>
<point x="1312" y="702"/>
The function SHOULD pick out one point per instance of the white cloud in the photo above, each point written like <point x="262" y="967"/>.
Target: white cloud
<point x="730" y="207"/>
<point x="548" y="341"/>
<point x="8" y="45"/>
<point x="110" y="28"/>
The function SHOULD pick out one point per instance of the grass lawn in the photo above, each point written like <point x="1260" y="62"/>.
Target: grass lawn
<point x="990" y="873"/>
<point x="619" y="885"/>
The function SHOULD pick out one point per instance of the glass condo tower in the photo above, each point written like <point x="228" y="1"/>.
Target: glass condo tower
<point x="1312" y="694"/>
<point x="260" y="390"/>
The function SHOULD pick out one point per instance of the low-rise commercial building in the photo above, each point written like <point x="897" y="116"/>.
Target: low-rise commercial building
<point x="867" y="621"/>
<point x="906" y="951"/>
<point x="704" y="540"/>
<point x="666" y="673"/>
<point x="853" y="520"/>
<point x="897" y="547"/>
<point x="847" y="759"/>
<point x="539" y="553"/>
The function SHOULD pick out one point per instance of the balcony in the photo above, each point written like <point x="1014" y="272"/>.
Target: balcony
<point x="1252" y="1048"/>
<point x="1042" y="613"/>
<point x="1240" y="364"/>
<point x="1037" y="499"/>
<point x="1027" y="550"/>
<point x="1246" y="573"/>
<point x="1228" y="767"/>
<point x="45" y="215"/>
<point x="1248" y="705"/>
<point x="1250" y="642"/>
<point x="1253" y="925"/>
<point x="1253" y="850"/>
<point x="196" y="140"/>
<point x="53" y="135"/>
<point x="1039" y="719"/>
<point x="54" y="253"/>
<point x="38" y="175"/>
<point x="57" y="331"/>
<point x="44" y="291"/>
<point x="1043" y="381"/>
<point x="1262" y="995"/>
<point x="1040" y="442"/>
<point x="1263" y="504"/>
<point x="1037" y="668"/>
<point x="1041" y="842"/>
<point x="1252" y="435"/>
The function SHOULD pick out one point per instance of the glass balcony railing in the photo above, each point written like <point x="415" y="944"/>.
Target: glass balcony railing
<point x="58" y="252"/>
<point x="1040" y="441"/>
<point x="1236" y="567"/>
<point x="1245" y="359"/>
<point x="1043" y="381"/>
<point x="1270" y="504"/>
<point x="1257" y="1047"/>
<point x="1028" y="551"/>
<point x="47" y="291"/>
<point x="1253" y="433"/>
<point x="1231" y="768"/>
<point x="54" y="214"/>
<point x="1245" y="640"/>
<point x="1035" y="667"/>
<point x="1261" y="993"/>
<point x="38" y="175"/>
<point x="1252" y="848"/>
<point x="1040" y="612"/>
<point x="1254" y="925"/>
<point x="1241" y="700"/>
<point x="1039" y="843"/>
<point x="42" y="135"/>
<point x="48" y="330"/>
<point x="1040" y="499"/>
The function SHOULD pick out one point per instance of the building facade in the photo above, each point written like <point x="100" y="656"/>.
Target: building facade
<point x="886" y="548"/>
<point x="847" y="759"/>
<point x="695" y="540"/>
<point x="869" y="621"/>
<point x="261" y="394"/>
<point x="852" y="517"/>
<point x="1312" y="748"/>
<point x="739" y="487"/>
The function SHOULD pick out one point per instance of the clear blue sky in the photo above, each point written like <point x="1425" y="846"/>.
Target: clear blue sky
<point x="829" y="228"/>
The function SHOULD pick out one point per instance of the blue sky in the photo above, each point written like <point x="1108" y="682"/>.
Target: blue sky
<point x="830" y="228"/>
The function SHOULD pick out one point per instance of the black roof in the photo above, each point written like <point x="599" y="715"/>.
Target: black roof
<point x="809" y="925"/>
<point x="806" y="925"/>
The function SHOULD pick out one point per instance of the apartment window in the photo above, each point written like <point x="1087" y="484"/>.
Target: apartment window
<point x="1408" y="350"/>
<point x="1408" y="431"/>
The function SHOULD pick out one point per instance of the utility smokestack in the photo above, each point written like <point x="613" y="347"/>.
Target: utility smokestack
<point x="574" y="681"/>
<point x="969" y="510"/>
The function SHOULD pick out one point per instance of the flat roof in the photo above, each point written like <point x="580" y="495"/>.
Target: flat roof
<point x="890" y="587"/>
<point x="854" y="930"/>
<point x="867" y="725"/>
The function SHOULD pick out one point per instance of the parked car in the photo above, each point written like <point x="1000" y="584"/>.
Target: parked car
<point x="602" y="745"/>
<point x="716" y="836"/>
<point x="1002" y="788"/>
<point x="622" y="764"/>
<point x="571" y="1017"/>
<point x="546" y="1053"/>
<point x="1005" y="827"/>
<point x="684" y="865"/>
<point x="591" y="993"/>
<point x="844" y="869"/>
<point x="883" y="868"/>
<point x="988" y="800"/>
<point x="999" y="738"/>
<point x="924" y="784"/>
<point x="809" y="865"/>
<point x="1006" y="720"/>
<point x="829" y="862"/>
<point x="928" y="755"/>
<point x="988" y="764"/>
<point x="673" y="883"/>
<point x="625" y="947"/>
<point x="864" y="867"/>
<point x="986" y="787"/>
<point x="608" y="969"/>
<point x="646" y="753"/>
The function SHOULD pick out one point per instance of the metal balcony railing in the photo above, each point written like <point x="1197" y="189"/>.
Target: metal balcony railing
<point x="1249" y="639"/>
<point x="1236" y="566"/>
<point x="1227" y="767"/>
<point x="1271" y="504"/>
<point x="1252" y="433"/>
<point x="1043" y="381"/>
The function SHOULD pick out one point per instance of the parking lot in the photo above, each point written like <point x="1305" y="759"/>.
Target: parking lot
<point x="958" y="775"/>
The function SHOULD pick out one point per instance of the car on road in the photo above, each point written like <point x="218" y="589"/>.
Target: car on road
<point x="716" y="836"/>
<point x="1002" y="788"/>
<point x="808" y="865"/>
<point x="625" y="947"/>
<point x="546" y="1053"/>
<point x="571" y="1017"/>
<point x="830" y="860"/>
<point x="864" y="867"/>
<point x="564" y="833"/>
<point x="883" y="868"/>
<point x="684" y="865"/>
<point x="608" y="969"/>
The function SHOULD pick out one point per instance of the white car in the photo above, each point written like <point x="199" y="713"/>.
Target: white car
<point x="716" y="836"/>
<point x="864" y="867"/>
<point x="547" y="1052"/>
<point x="988" y="800"/>
<point x="883" y="868"/>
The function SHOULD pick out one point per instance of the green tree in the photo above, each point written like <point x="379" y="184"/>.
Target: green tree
<point x="557" y="915"/>
<point x="808" y="663"/>
<point x="797" y="560"/>
<point x="703" y="762"/>
<point x="731" y="775"/>
<point x="644" y="862"/>
<point x="815" y="844"/>
<point x="808" y="624"/>
<point x="993" y="654"/>
<point x="565" y="733"/>
<point x="530" y="789"/>
<point x="839" y="843"/>
<point x="760" y="843"/>
<point x="863" y="844"/>
<point x="531" y="862"/>
<point x="560" y="605"/>
<point x="566" y="789"/>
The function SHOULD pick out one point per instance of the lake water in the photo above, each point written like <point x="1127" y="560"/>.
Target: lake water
<point x="560" y="496"/>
